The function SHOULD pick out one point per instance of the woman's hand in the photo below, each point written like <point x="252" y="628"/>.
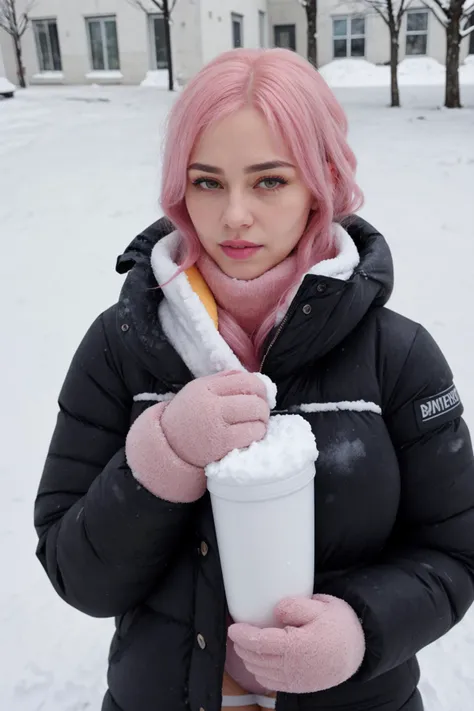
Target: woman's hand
<point x="322" y="645"/>
<point x="170" y="444"/>
<point x="213" y="415"/>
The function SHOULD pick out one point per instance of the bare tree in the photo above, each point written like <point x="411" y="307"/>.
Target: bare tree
<point x="15" y="24"/>
<point x="392" y="12"/>
<point x="166" y="8"/>
<point x="311" y="9"/>
<point x="455" y="16"/>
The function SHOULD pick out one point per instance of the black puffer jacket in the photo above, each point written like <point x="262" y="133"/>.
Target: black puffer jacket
<point x="394" y="492"/>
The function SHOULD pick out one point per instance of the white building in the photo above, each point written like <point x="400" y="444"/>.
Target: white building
<point x="97" y="41"/>
<point x="112" y="41"/>
<point x="350" y="28"/>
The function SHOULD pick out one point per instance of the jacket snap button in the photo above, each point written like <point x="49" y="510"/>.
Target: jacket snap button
<point x="201" y="641"/>
<point x="204" y="548"/>
<point x="125" y="327"/>
<point x="321" y="287"/>
<point x="307" y="309"/>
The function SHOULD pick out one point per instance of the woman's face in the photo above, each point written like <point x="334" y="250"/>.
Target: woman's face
<point x="245" y="195"/>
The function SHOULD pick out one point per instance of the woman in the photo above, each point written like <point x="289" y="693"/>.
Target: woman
<point x="262" y="267"/>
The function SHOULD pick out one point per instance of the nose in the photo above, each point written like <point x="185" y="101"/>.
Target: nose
<point x="237" y="213"/>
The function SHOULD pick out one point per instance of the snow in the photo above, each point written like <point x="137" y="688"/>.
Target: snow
<point x="441" y="10"/>
<point x="48" y="76"/>
<point x="271" y="389"/>
<point x="344" y="405"/>
<point x="157" y="78"/>
<point x="421" y="71"/>
<point x="79" y="178"/>
<point x="6" y="87"/>
<point x="353" y="72"/>
<point x="154" y="397"/>
<point x="287" y="447"/>
<point x="105" y="75"/>
<point x="412" y="71"/>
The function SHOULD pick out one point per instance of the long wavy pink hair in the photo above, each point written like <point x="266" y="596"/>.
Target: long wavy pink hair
<point x="300" y="108"/>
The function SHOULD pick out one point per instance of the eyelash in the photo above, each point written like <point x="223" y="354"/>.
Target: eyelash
<point x="275" y="178"/>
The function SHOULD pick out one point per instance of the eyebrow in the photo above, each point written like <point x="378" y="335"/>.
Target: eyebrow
<point x="256" y="168"/>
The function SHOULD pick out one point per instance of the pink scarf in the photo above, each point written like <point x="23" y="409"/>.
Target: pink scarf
<point x="248" y="302"/>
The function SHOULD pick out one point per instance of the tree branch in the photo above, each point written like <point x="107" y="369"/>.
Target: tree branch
<point x="401" y="11"/>
<point x="7" y="18"/>
<point x="25" y="20"/>
<point x="467" y="18"/>
<point x="468" y="7"/>
<point x="468" y="13"/>
<point x="391" y="11"/>
<point x="140" y="5"/>
<point x="404" y="7"/>
<point x="158" y="4"/>
<point x="438" y="10"/>
<point x="444" y="6"/>
<point x="377" y="6"/>
<point x="7" y="28"/>
<point x="467" y="31"/>
<point x="143" y="5"/>
<point x="22" y="25"/>
<point x="5" y="12"/>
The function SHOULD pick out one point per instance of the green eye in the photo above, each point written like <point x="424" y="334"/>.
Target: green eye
<point x="272" y="183"/>
<point x="207" y="184"/>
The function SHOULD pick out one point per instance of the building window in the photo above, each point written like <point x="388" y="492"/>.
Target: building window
<point x="471" y="36"/>
<point x="285" y="36"/>
<point x="237" y="30"/>
<point x="348" y="37"/>
<point x="417" y="32"/>
<point x="158" y="42"/>
<point x="47" y="45"/>
<point x="262" y="28"/>
<point x="103" y="43"/>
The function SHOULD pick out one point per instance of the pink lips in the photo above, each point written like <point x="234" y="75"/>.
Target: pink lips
<point x="239" y="248"/>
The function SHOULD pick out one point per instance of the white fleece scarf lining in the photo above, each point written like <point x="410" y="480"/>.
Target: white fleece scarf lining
<point x="184" y="318"/>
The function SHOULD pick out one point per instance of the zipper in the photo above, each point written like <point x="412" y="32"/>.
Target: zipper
<point x="282" y="325"/>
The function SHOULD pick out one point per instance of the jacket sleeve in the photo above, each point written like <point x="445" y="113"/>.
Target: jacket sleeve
<point x="104" y="540"/>
<point x="424" y="582"/>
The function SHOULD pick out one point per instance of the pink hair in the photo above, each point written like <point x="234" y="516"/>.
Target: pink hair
<point x="299" y="106"/>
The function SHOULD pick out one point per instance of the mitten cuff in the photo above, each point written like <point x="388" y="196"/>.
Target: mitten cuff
<point x="156" y="466"/>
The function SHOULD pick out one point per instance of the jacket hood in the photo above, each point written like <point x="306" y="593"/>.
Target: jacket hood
<point x="325" y="310"/>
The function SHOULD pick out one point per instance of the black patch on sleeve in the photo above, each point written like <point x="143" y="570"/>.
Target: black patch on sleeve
<point x="434" y="411"/>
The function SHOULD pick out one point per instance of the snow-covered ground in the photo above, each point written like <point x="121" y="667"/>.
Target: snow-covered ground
<point x="79" y="177"/>
<point x="412" y="71"/>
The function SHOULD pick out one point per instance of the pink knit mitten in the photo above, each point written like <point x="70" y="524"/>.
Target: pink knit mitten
<point x="156" y="466"/>
<point x="321" y="646"/>
<point x="213" y="415"/>
<point x="169" y="445"/>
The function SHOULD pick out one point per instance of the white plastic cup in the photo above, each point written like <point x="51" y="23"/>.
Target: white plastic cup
<point x="263" y="506"/>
